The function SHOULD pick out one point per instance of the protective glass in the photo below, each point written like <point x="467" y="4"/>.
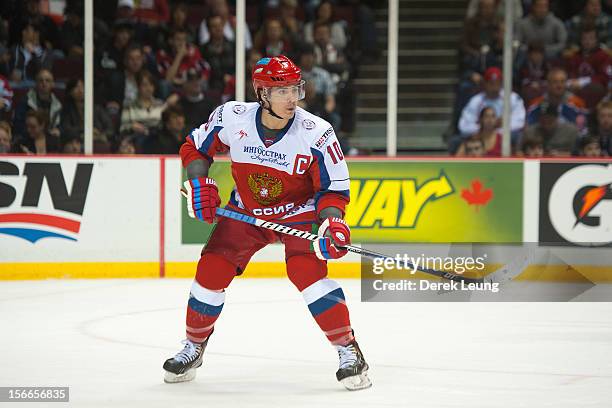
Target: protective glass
<point x="292" y="93"/>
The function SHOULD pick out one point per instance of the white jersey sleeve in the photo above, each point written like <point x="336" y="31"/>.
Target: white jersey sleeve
<point x="329" y="172"/>
<point x="210" y="138"/>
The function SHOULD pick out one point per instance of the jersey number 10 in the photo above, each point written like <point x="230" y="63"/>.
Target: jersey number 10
<point x="335" y="153"/>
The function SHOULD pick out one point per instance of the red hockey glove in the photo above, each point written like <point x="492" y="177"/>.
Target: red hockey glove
<point x="202" y="198"/>
<point x="335" y="234"/>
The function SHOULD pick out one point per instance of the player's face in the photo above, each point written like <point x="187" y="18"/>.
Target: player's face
<point x="284" y="99"/>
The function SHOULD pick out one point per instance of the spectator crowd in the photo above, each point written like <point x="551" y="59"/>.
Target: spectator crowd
<point x="161" y="67"/>
<point x="561" y="104"/>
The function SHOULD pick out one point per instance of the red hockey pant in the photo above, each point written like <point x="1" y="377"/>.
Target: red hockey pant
<point x="229" y="249"/>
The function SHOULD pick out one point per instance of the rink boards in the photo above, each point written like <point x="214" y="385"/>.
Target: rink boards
<point x="111" y="216"/>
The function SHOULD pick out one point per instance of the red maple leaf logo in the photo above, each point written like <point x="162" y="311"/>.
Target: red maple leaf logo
<point x="477" y="196"/>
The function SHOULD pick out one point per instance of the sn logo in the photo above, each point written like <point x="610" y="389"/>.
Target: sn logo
<point x="36" y="174"/>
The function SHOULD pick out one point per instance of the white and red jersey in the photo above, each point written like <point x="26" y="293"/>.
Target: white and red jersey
<point x="302" y="171"/>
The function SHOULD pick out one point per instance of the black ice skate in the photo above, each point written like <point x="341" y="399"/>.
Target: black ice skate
<point x="353" y="371"/>
<point x="182" y="367"/>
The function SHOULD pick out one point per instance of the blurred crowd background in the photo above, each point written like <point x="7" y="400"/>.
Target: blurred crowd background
<point x="162" y="66"/>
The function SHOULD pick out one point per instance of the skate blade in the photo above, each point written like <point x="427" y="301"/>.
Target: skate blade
<point x="357" y="382"/>
<point x="172" y="378"/>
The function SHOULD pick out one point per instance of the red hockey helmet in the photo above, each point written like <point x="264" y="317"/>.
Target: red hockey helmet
<point x="275" y="72"/>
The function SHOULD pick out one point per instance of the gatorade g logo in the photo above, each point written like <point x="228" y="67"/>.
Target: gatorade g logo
<point x="580" y="205"/>
<point x="393" y="203"/>
<point x="21" y="212"/>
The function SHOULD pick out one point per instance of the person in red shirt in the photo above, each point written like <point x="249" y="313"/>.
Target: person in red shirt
<point x="488" y="133"/>
<point x="182" y="57"/>
<point x="589" y="69"/>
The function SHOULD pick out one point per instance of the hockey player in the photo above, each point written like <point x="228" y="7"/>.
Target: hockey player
<point x="288" y="167"/>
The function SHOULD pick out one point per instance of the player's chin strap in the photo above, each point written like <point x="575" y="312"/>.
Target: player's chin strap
<point x="268" y="108"/>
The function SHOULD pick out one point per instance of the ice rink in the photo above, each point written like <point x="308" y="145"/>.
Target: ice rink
<point x="107" y="340"/>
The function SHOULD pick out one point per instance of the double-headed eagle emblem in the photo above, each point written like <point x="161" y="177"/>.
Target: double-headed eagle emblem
<point x="265" y="188"/>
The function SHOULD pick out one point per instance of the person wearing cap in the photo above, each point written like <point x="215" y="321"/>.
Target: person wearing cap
<point x="125" y="12"/>
<point x="559" y="138"/>
<point x="474" y="65"/>
<point x="288" y="168"/>
<point x="125" y="3"/>
<point x="492" y="96"/>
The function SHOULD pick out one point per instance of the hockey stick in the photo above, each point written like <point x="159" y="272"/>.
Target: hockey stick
<point x="283" y="229"/>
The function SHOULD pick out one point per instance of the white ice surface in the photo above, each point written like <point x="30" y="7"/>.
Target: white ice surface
<point x="107" y="340"/>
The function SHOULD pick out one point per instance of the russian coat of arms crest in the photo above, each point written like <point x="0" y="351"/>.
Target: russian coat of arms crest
<point x="265" y="188"/>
